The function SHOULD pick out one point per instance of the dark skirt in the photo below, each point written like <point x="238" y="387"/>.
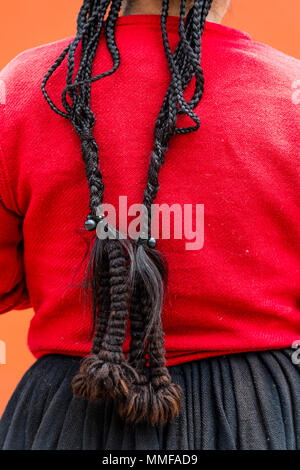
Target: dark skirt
<point x="241" y="401"/>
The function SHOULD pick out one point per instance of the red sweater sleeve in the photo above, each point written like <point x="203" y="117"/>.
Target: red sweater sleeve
<point x="13" y="291"/>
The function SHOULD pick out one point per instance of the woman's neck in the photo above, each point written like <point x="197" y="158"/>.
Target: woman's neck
<point x="154" y="8"/>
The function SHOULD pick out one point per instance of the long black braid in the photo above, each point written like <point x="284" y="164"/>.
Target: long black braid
<point x="128" y="276"/>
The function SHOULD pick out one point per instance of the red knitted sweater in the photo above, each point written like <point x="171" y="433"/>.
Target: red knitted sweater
<point x="241" y="291"/>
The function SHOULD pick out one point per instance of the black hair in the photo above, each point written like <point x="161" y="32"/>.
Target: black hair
<point x="127" y="278"/>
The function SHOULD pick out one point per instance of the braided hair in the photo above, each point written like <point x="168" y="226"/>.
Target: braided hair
<point x="128" y="277"/>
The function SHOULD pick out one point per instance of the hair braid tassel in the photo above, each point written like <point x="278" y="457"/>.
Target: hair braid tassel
<point x="153" y="398"/>
<point x="106" y="373"/>
<point x="101" y="308"/>
<point x="137" y="405"/>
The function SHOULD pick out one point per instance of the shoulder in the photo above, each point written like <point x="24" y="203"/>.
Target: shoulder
<point x="277" y="78"/>
<point x="21" y="78"/>
<point x="271" y="67"/>
<point x="32" y="63"/>
<point x="255" y="70"/>
<point x="274" y="60"/>
<point x="267" y="79"/>
<point x="23" y="110"/>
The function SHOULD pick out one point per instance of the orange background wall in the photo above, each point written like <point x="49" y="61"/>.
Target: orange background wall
<point x="28" y="23"/>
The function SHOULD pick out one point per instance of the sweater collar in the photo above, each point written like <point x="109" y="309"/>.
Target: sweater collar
<point x="153" y="21"/>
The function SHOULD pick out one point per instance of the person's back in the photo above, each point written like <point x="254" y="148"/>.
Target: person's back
<point x="235" y="291"/>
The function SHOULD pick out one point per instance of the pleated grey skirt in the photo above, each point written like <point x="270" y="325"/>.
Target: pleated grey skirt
<point x="242" y="401"/>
